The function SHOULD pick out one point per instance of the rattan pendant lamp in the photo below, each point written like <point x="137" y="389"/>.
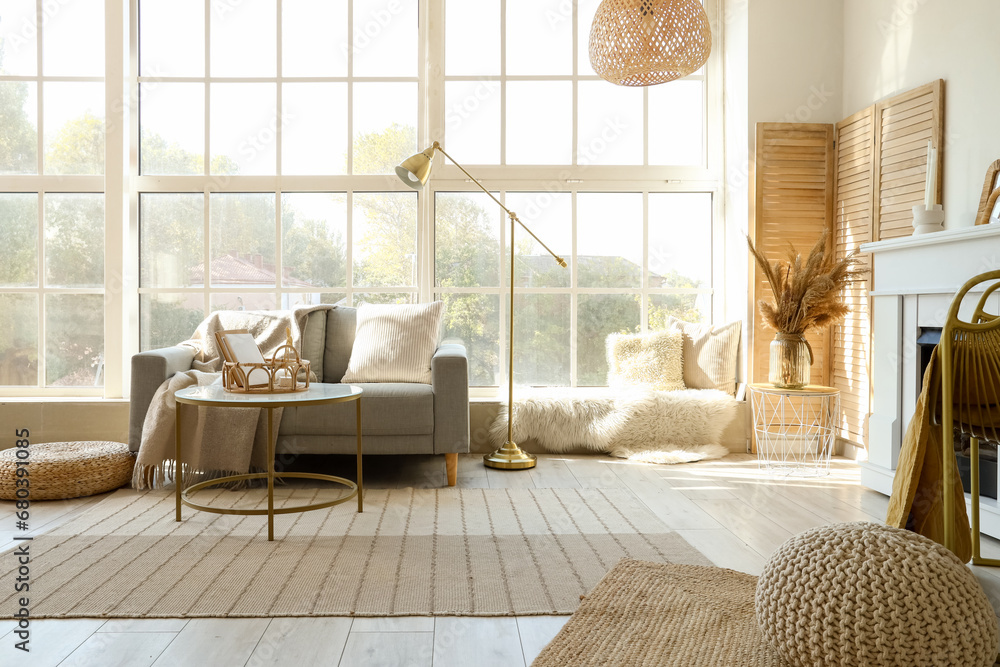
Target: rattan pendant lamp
<point x="646" y="42"/>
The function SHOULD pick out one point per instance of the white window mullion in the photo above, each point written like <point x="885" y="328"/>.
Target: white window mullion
<point x="208" y="114"/>
<point x="574" y="292"/>
<point x="132" y="259"/>
<point x="206" y="252"/>
<point x="40" y="94"/>
<point x="115" y="200"/>
<point x="41" y="284"/>
<point x="350" y="111"/>
<point x="349" y="247"/>
<point x="644" y="300"/>
<point x="503" y="84"/>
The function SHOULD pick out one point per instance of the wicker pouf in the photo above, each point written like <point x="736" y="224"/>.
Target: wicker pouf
<point x="59" y="470"/>
<point x="855" y="594"/>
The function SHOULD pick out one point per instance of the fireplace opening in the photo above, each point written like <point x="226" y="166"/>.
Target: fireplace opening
<point x="927" y="339"/>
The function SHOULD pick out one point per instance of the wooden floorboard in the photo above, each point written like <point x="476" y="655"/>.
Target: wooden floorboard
<point x="729" y="509"/>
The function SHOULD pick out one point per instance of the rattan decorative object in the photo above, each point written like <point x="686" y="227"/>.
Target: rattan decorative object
<point x="857" y="594"/>
<point x="282" y="371"/>
<point x="646" y="42"/>
<point x="60" y="470"/>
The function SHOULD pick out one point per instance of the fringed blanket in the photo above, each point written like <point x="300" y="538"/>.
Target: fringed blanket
<point x="216" y="441"/>
<point x="637" y="424"/>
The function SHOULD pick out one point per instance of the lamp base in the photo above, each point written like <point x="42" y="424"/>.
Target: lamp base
<point x="509" y="457"/>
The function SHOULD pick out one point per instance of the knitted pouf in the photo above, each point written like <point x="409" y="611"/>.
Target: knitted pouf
<point x="856" y="594"/>
<point x="58" y="470"/>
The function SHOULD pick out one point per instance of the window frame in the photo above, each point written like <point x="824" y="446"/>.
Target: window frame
<point x="110" y="184"/>
<point x="576" y="179"/>
<point x="122" y="183"/>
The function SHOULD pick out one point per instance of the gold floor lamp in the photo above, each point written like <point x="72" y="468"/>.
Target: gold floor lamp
<point x="415" y="172"/>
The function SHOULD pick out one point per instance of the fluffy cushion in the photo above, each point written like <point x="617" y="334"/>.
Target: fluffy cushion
<point x="394" y="343"/>
<point x="651" y="360"/>
<point x="856" y="594"/>
<point x="709" y="354"/>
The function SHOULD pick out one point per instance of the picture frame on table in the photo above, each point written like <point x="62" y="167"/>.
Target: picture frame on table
<point x="239" y="347"/>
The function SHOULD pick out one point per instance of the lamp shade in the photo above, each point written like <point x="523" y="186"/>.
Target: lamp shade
<point x="416" y="169"/>
<point x="646" y="42"/>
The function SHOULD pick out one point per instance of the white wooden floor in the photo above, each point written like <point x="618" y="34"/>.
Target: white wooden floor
<point x="730" y="511"/>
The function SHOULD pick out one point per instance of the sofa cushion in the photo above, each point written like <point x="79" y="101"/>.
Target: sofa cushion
<point x="314" y="340"/>
<point x="651" y="360"/>
<point x="340" y="325"/>
<point x="395" y="342"/>
<point x="387" y="408"/>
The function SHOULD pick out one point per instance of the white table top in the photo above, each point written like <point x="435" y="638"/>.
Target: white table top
<point x="317" y="393"/>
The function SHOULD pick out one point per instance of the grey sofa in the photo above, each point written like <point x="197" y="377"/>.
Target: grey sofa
<point x="397" y="418"/>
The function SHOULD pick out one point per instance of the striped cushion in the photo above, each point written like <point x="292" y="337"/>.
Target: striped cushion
<point x="710" y="354"/>
<point x="394" y="343"/>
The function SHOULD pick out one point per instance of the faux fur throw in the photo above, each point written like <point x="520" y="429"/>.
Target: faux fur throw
<point x="216" y="441"/>
<point x="637" y="424"/>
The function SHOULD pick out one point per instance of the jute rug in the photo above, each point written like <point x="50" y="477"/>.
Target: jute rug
<point x="654" y="614"/>
<point x="481" y="552"/>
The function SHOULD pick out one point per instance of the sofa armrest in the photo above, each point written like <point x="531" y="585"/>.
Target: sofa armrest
<point x="149" y="370"/>
<point x="450" y="382"/>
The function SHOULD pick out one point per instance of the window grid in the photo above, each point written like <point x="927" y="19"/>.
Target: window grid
<point x="502" y="291"/>
<point x="430" y="79"/>
<point x="46" y="184"/>
<point x="279" y="185"/>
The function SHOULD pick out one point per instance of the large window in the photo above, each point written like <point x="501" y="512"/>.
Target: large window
<point x="618" y="181"/>
<point x="265" y="141"/>
<point x="162" y="159"/>
<point x="52" y="218"/>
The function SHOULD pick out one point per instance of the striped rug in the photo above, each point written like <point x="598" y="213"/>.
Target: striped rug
<point x="483" y="552"/>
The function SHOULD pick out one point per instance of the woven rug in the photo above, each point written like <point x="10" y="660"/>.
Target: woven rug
<point x="644" y="614"/>
<point x="485" y="552"/>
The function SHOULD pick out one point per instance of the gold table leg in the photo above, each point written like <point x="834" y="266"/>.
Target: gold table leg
<point x="361" y="489"/>
<point x="177" y="459"/>
<point x="270" y="474"/>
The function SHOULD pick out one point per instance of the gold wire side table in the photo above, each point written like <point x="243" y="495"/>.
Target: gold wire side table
<point x="216" y="396"/>
<point x="795" y="429"/>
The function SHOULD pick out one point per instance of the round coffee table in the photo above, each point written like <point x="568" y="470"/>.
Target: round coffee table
<point x="216" y="397"/>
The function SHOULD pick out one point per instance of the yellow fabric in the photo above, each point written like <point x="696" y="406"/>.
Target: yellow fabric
<point x="917" y="500"/>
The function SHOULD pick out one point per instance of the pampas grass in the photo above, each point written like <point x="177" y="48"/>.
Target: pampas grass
<point x="807" y="293"/>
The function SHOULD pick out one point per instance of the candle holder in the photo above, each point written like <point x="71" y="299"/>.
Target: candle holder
<point x="926" y="220"/>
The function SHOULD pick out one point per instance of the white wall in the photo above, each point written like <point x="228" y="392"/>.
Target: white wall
<point x="733" y="27"/>
<point x="893" y="45"/>
<point x="783" y="62"/>
<point x="795" y="61"/>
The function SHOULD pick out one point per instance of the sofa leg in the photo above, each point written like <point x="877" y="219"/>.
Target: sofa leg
<point x="451" y="463"/>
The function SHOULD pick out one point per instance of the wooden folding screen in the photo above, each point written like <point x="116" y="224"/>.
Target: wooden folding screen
<point x="793" y="206"/>
<point x="855" y="150"/>
<point x="903" y="125"/>
<point x="862" y="186"/>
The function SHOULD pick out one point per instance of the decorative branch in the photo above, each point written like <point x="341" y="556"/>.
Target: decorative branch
<point x="807" y="294"/>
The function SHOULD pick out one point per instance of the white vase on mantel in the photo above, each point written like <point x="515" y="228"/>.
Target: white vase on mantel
<point x="926" y="220"/>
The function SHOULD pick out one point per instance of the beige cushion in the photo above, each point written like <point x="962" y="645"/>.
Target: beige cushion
<point x="864" y="594"/>
<point x="709" y="354"/>
<point x="650" y="360"/>
<point x="394" y="342"/>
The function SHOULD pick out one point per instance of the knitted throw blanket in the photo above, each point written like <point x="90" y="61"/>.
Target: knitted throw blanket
<point x="215" y="442"/>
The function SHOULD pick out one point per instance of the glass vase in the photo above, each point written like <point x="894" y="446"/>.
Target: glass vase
<point x="790" y="361"/>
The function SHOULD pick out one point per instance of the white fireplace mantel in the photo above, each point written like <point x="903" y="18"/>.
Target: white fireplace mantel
<point x="913" y="282"/>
